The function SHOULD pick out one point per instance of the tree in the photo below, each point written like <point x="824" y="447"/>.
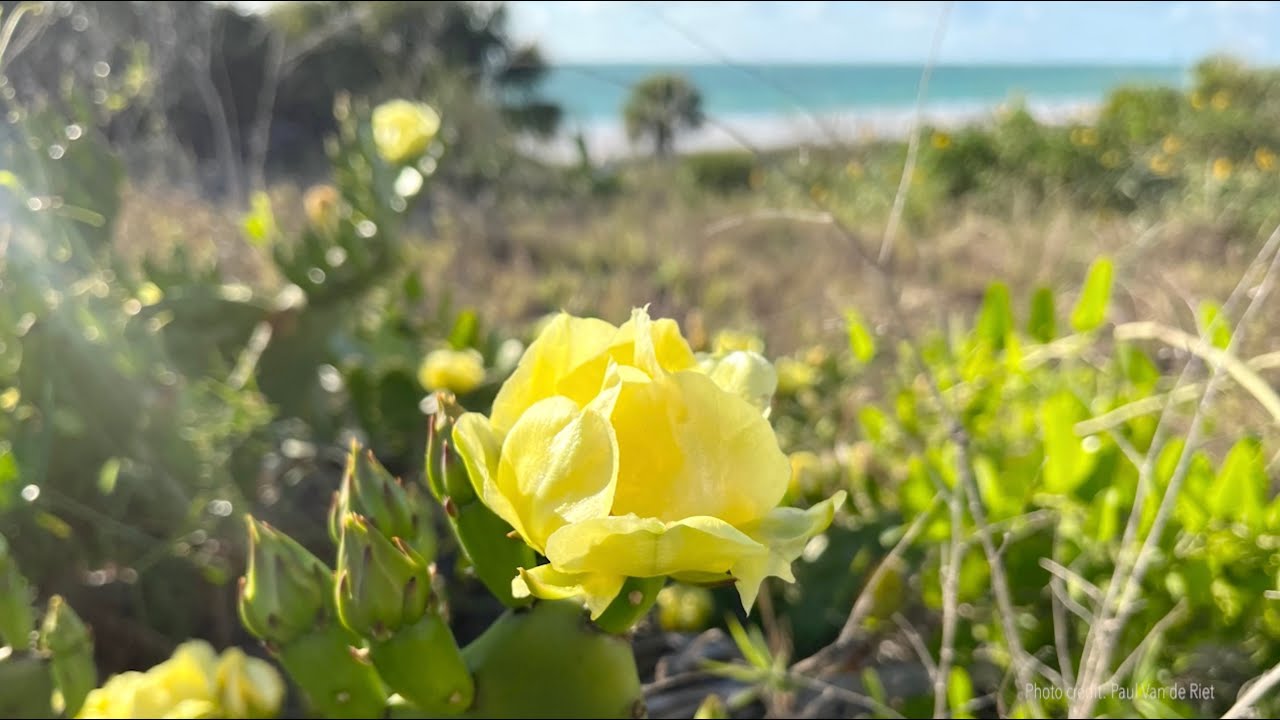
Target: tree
<point x="659" y="107"/>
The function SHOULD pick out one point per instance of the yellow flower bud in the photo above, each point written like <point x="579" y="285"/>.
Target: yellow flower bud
<point x="727" y="341"/>
<point x="1159" y="165"/>
<point x="1265" y="159"/>
<point x="403" y="130"/>
<point x="794" y="376"/>
<point x="322" y="204"/>
<point x="1222" y="168"/>
<point x="941" y="141"/>
<point x="458" y="371"/>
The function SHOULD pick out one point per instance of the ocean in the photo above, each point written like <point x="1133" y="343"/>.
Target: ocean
<point x="779" y="104"/>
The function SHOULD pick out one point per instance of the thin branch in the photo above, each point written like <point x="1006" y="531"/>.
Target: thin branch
<point x="913" y="142"/>
<point x="1257" y="689"/>
<point x="917" y="643"/>
<point x="845" y="694"/>
<point x="950" y="602"/>
<point x="1063" y="572"/>
<point x="1061" y="637"/>
<point x="1175" y="614"/>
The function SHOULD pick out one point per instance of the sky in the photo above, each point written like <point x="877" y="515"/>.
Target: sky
<point x="899" y="32"/>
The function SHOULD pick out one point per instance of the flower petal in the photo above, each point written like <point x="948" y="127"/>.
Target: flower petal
<point x="644" y="547"/>
<point x="548" y="365"/>
<point x="746" y="374"/>
<point x="559" y="464"/>
<point x="689" y="448"/>
<point x="479" y="446"/>
<point x="787" y="530"/>
<point x="654" y="346"/>
<point x="597" y="590"/>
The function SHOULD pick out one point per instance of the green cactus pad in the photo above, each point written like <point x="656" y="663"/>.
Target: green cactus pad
<point x="549" y="661"/>
<point x="422" y="663"/>
<point x="335" y="683"/>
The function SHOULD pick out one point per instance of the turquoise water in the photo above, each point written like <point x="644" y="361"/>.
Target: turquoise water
<point x="595" y="93"/>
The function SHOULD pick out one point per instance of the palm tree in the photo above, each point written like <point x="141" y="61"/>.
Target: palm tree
<point x="659" y="107"/>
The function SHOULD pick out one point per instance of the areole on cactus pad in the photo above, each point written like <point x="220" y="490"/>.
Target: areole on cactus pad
<point x="614" y="453"/>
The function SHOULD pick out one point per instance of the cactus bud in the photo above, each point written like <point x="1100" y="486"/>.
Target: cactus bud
<point x="438" y="430"/>
<point x="423" y="664"/>
<point x="394" y="510"/>
<point x="286" y="590"/>
<point x="457" y="484"/>
<point x="64" y="636"/>
<point x="382" y="584"/>
<point x="481" y="533"/>
<point x="16" y="617"/>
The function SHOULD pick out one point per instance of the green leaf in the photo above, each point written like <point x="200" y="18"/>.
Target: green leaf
<point x="1213" y="325"/>
<point x="1137" y="365"/>
<point x="1091" y="308"/>
<point x="465" y="328"/>
<point x="875" y="424"/>
<point x="995" y="319"/>
<point x="875" y="688"/>
<point x="1066" y="464"/>
<point x="754" y="651"/>
<point x="1043" y="325"/>
<point x="861" y="341"/>
<point x="107" y="476"/>
<point x="8" y="478"/>
<point x="1237" y="493"/>
<point x="959" y="693"/>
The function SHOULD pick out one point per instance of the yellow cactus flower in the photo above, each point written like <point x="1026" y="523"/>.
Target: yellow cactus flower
<point x="940" y="141"/>
<point x="248" y="687"/>
<point x="1111" y="159"/>
<point x="794" y="376"/>
<point x="192" y="683"/>
<point x="187" y="675"/>
<point x="1171" y="144"/>
<point x="1221" y="100"/>
<point x="1197" y="100"/>
<point x="458" y="371"/>
<point x="727" y="341"/>
<point x="1222" y="168"/>
<point x="614" y="455"/>
<point x="1265" y="159"/>
<point x="1160" y="165"/>
<point x="403" y="130"/>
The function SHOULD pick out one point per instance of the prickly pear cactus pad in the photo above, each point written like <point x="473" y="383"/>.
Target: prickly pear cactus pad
<point x="616" y="453"/>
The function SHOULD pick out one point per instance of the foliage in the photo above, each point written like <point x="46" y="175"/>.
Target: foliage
<point x="660" y="107"/>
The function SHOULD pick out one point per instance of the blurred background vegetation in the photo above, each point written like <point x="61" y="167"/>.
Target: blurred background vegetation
<point x="208" y="286"/>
